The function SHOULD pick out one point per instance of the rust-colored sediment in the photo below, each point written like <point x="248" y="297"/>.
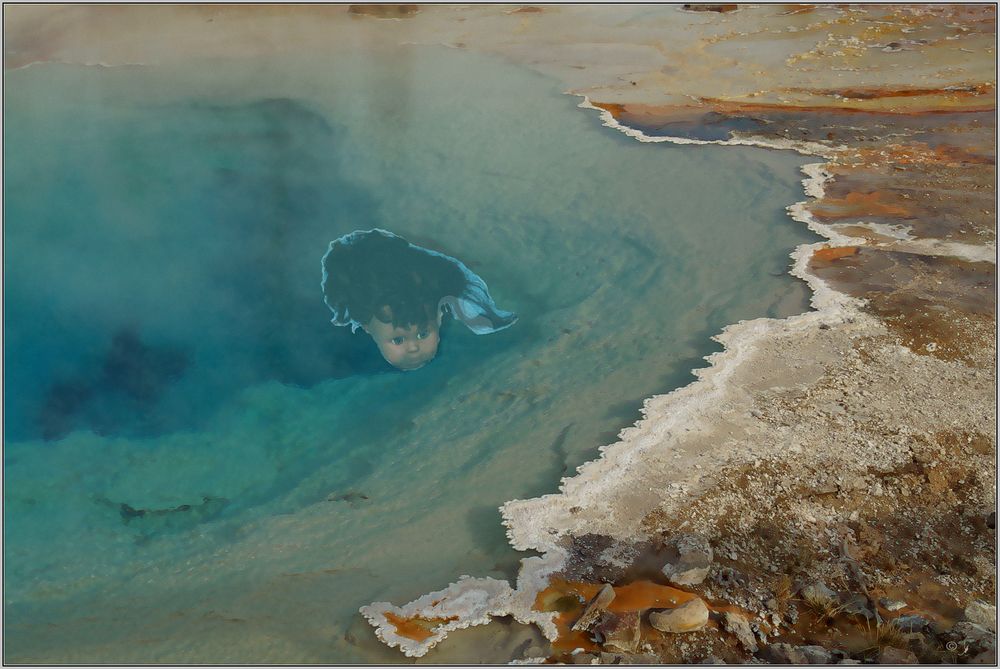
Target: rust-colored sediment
<point x="385" y="11"/>
<point x="935" y="305"/>
<point x="856" y="204"/>
<point x="851" y="108"/>
<point x="417" y="627"/>
<point x="719" y="8"/>
<point x="616" y="110"/>
<point x="874" y="93"/>
<point x="568" y="598"/>
<point x="829" y="254"/>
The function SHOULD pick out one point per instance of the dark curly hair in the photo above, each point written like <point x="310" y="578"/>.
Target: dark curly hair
<point x="376" y="274"/>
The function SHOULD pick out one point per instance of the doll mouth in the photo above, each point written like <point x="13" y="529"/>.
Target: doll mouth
<point x="410" y="366"/>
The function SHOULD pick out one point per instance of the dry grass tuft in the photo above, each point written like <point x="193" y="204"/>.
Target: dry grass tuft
<point x="825" y="608"/>
<point x="783" y="589"/>
<point x="783" y="592"/>
<point x="884" y="635"/>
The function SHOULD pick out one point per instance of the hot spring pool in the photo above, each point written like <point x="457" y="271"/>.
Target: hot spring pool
<point x="198" y="466"/>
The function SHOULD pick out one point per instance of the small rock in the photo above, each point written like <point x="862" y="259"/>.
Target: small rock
<point x="818" y="592"/>
<point x="981" y="613"/>
<point x="892" y="604"/>
<point x="595" y="608"/>
<point x="784" y="653"/>
<point x="727" y="577"/>
<point x="688" y="560"/>
<point x="599" y="558"/>
<point x="618" y="631"/>
<point x="828" y="488"/>
<point x="890" y="655"/>
<point x="911" y="623"/>
<point x="973" y="636"/>
<point x="858" y="606"/>
<point x="839" y="654"/>
<point x="711" y="659"/>
<point x="688" y="617"/>
<point x="738" y="626"/>
<point x="584" y="658"/>
<point x="816" y="654"/>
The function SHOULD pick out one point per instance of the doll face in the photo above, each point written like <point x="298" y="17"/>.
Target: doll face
<point x="405" y="348"/>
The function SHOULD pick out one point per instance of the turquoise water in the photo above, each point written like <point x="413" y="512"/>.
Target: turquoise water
<point x="198" y="467"/>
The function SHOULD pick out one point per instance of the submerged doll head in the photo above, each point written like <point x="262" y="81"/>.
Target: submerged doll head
<point x="398" y="292"/>
<point x="406" y="348"/>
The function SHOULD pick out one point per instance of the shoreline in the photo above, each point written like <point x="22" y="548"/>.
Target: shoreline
<point x="739" y="341"/>
<point x="663" y="416"/>
<point x="605" y="486"/>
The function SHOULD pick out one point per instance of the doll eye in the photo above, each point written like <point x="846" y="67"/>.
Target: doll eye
<point x="397" y="340"/>
<point x="423" y="335"/>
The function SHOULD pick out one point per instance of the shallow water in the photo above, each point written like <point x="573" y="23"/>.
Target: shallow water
<point x="168" y="351"/>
